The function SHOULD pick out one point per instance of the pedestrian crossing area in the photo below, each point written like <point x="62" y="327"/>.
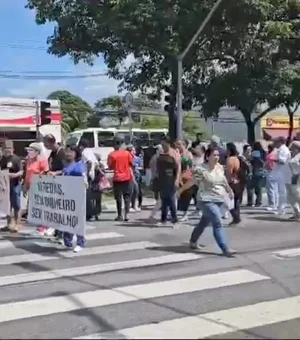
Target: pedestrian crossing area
<point x="119" y="288"/>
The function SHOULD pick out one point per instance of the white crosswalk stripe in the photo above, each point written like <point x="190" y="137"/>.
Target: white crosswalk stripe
<point x="77" y="295"/>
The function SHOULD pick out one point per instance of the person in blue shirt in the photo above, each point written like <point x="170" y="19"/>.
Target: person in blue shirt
<point x="136" y="195"/>
<point x="74" y="166"/>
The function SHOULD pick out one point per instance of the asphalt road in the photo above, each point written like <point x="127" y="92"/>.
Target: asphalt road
<point x="138" y="281"/>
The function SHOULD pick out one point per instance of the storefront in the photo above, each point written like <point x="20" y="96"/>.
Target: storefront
<point x="277" y="126"/>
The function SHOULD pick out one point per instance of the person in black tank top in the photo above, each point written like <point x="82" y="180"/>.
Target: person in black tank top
<point x="167" y="176"/>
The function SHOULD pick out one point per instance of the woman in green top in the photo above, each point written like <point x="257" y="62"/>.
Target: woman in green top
<point x="186" y="159"/>
<point x="213" y="191"/>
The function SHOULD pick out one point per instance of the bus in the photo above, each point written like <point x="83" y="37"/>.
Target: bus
<point x="101" y="140"/>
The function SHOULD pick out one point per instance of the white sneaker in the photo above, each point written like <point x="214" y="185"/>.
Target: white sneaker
<point x="132" y="210"/>
<point x="184" y="218"/>
<point x="77" y="249"/>
<point x="280" y="212"/>
<point x="226" y="215"/>
<point x="137" y="209"/>
<point x="271" y="209"/>
<point x="50" y="232"/>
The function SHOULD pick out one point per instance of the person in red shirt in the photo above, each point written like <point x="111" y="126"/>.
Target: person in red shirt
<point x="120" y="161"/>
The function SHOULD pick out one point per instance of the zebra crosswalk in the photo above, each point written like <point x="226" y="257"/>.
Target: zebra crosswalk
<point x="132" y="289"/>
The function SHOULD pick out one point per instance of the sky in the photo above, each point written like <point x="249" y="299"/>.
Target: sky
<point x="24" y="49"/>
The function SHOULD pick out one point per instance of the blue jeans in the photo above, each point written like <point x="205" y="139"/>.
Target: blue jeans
<point x="168" y="202"/>
<point x="211" y="213"/>
<point x="15" y="197"/>
<point x="68" y="240"/>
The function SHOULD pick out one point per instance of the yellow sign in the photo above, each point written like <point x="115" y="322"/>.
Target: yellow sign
<point x="278" y="122"/>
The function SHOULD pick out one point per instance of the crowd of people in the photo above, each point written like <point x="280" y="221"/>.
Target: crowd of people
<point x="212" y="177"/>
<point x="71" y="160"/>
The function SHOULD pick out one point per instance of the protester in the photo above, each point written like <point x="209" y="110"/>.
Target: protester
<point x="90" y="161"/>
<point x="168" y="177"/>
<point x="293" y="181"/>
<point x="233" y="176"/>
<point x="213" y="190"/>
<point x="56" y="161"/>
<point x="74" y="166"/>
<point x="149" y="152"/>
<point x="136" y="191"/>
<point x="35" y="165"/>
<point x="271" y="184"/>
<point x="258" y="157"/>
<point x="281" y="171"/>
<point x="215" y="143"/>
<point x="186" y="161"/>
<point x="98" y="185"/>
<point x="120" y="161"/>
<point x="11" y="162"/>
<point x="246" y="173"/>
<point x="155" y="184"/>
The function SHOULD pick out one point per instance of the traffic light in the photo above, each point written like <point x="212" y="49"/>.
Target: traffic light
<point x="169" y="98"/>
<point x="45" y="113"/>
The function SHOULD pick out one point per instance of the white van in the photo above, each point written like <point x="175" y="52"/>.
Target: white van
<point x="101" y="140"/>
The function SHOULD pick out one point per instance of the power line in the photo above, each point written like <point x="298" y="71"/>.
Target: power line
<point x="24" y="77"/>
<point x="35" y="72"/>
<point x="24" y="47"/>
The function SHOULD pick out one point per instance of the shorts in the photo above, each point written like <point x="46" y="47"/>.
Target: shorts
<point x="122" y="189"/>
<point x="15" y="197"/>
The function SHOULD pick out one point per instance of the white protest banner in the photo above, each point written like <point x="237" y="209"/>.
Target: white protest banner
<point x="4" y="192"/>
<point x="58" y="202"/>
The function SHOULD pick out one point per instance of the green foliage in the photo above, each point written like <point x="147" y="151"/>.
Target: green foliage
<point x="75" y="110"/>
<point x="140" y="102"/>
<point x="247" y="37"/>
<point x="111" y="102"/>
<point x="154" y="122"/>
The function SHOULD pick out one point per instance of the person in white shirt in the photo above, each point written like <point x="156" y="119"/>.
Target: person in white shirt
<point x="281" y="171"/>
<point x="91" y="162"/>
<point x="89" y="158"/>
<point x="293" y="182"/>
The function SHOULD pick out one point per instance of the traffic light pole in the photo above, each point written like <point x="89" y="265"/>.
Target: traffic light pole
<point x="179" y="99"/>
<point x="180" y="68"/>
<point x="37" y="121"/>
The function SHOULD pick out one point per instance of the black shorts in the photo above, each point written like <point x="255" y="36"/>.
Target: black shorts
<point x="122" y="189"/>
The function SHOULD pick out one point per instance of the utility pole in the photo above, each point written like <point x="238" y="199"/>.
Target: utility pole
<point x="180" y="59"/>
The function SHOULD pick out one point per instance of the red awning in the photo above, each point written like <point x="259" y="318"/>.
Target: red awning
<point x="270" y="134"/>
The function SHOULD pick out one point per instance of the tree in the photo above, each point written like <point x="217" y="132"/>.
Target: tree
<point x="263" y="72"/>
<point x="111" y="102"/>
<point x="140" y="102"/>
<point x="286" y="90"/>
<point x="243" y="88"/>
<point x="75" y="110"/>
<point x="155" y="32"/>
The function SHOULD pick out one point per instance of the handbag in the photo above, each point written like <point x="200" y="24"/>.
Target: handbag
<point x="104" y="183"/>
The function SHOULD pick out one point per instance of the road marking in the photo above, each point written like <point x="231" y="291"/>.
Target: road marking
<point x="42" y="241"/>
<point x="89" y="237"/>
<point x="8" y="260"/>
<point x="106" y="297"/>
<point x="99" y="268"/>
<point x="212" y="324"/>
<point x="287" y="253"/>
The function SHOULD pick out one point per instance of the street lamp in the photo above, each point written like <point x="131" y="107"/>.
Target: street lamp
<point x="180" y="69"/>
